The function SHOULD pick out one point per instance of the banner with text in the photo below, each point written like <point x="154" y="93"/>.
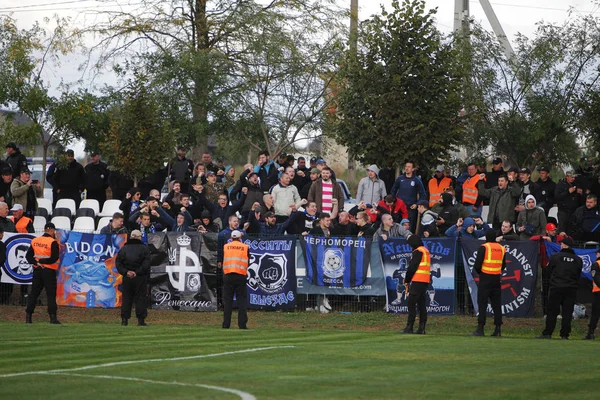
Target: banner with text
<point x="340" y="266"/>
<point x="272" y="273"/>
<point x="88" y="275"/>
<point x="588" y="256"/>
<point x="177" y="281"/>
<point x="16" y="269"/>
<point x="395" y="256"/>
<point x="518" y="281"/>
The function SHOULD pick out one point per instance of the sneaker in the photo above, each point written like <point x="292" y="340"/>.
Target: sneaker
<point x="326" y="304"/>
<point x="396" y="302"/>
<point x="434" y="303"/>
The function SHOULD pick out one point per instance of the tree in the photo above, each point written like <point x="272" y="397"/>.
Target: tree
<point x="138" y="135"/>
<point x="399" y="98"/>
<point x="23" y="89"/>
<point x="526" y="108"/>
<point x="229" y="67"/>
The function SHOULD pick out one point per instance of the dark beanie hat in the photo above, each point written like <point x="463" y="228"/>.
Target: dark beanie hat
<point x="490" y="235"/>
<point x="447" y="198"/>
<point x="414" y="241"/>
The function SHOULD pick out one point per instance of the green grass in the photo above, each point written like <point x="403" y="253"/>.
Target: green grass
<point x="357" y="356"/>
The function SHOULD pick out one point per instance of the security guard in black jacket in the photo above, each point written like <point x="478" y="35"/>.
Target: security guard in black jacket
<point x="564" y="268"/>
<point x="489" y="264"/>
<point x="133" y="262"/>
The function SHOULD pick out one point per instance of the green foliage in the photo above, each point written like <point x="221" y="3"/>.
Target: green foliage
<point x="138" y="136"/>
<point x="527" y="108"/>
<point x="399" y="97"/>
<point x="243" y="70"/>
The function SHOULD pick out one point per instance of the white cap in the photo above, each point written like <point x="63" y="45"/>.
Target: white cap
<point x="136" y="233"/>
<point x="17" y="207"/>
<point x="236" y="234"/>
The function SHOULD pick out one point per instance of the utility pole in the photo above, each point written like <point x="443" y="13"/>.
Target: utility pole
<point x="461" y="22"/>
<point x="353" y="53"/>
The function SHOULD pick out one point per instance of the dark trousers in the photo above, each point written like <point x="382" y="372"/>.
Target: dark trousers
<point x="545" y="289"/>
<point x="412" y="217"/>
<point x="564" y="297"/>
<point x="235" y="284"/>
<point x="43" y="278"/>
<point x="595" y="311"/>
<point x="489" y="289"/>
<point x="564" y="217"/>
<point x="70" y="194"/>
<point x="134" y="292"/>
<point x="99" y="195"/>
<point x="416" y="298"/>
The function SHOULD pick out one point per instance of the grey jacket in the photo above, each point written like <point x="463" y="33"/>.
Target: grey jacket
<point x="396" y="230"/>
<point x="502" y="202"/>
<point x="369" y="191"/>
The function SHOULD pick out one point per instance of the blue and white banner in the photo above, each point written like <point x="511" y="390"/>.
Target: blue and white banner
<point x="588" y="256"/>
<point x="340" y="266"/>
<point x="518" y="281"/>
<point x="16" y="268"/>
<point x="395" y="255"/>
<point x="272" y="273"/>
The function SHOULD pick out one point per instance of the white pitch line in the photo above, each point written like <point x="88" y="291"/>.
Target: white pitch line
<point x="243" y="395"/>
<point x="144" y="361"/>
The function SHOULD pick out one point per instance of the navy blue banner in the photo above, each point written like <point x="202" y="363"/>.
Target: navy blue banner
<point x="337" y="262"/>
<point x="588" y="256"/>
<point x="395" y="255"/>
<point x="340" y="266"/>
<point x="272" y="273"/>
<point x="518" y="281"/>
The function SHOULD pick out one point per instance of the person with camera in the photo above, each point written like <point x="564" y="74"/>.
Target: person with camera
<point x="24" y="191"/>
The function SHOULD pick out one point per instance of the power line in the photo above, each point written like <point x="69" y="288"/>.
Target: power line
<point x="535" y="7"/>
<point x="87" y="7"/>
<point x="44" y="4"/>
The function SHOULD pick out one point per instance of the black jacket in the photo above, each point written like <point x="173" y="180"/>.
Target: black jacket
<point x="17" y="162"/>
<point x="96" y="176"/>
<point x="564" y="269"/>
<point x="7" y="225"/>
<point x="548" y="188"/>
<point x="564" y="200"/>
<point x="134" y="256"/>
<point x="71" y="178"/>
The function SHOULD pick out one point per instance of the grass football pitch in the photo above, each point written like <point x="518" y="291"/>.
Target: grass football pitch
<point x="286" y="356"/>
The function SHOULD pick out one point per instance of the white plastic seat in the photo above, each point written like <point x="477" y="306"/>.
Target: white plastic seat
<point x="38" y="223"/>
<point x="67" y="203"/>
<point x="45" y="203"/>
<point x="84" y="224"/>
<point x="62" y="223"/>
<point x="485" y="210"/>
<point x="91" y="203"/>
<point x="553" y="213"/>
<point x="102" y="223"/>
<point x="110" y="207"/>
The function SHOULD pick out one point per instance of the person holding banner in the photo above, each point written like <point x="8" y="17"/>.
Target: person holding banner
<point x="133" y="263"/>
<point x="43" y="254"/>
<point x="418" y="277"/>
<point x="489" y="264"/>
<point x="595" y="271"/>
<point x="564" y="268"/>
<point x="236" y="256"/>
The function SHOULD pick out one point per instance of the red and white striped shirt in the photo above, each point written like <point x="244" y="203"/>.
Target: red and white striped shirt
<point x="327" y="196"/>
